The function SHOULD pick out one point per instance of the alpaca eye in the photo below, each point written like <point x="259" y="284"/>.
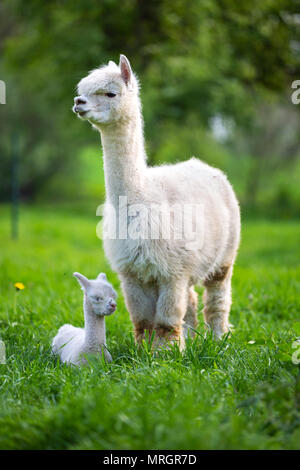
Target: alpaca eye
<point x="110" y="95"/>
<point x="97" y="299"/>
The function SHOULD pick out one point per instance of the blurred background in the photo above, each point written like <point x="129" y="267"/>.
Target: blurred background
<point x="216" y="82"/>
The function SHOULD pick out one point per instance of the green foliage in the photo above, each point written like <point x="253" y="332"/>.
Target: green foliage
<point x="212" y="58"/>
<point x="240" y="393"/>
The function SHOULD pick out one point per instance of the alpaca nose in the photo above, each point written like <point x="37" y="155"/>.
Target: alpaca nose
<point x="79" y="100"/>
<point x="112" y="304"/>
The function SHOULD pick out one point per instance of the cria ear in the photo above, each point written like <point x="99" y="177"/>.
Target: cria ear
<point x="83" y="281"/>
<point x="102" y="276"/>
<point x="125" y="68"/>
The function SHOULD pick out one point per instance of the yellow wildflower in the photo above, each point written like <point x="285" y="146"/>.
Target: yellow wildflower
<point x="19" y="285"/>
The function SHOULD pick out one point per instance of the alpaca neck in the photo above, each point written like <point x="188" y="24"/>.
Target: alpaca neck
<point x="124" y="158"/>
<point x="94" y="326"/>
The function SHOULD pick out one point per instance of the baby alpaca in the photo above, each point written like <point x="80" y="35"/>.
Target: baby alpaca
<point x="72" y="343"/>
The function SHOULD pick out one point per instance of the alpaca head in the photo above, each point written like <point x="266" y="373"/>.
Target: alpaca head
<point x="99" y="292"/>
<point x="107" y="95"/>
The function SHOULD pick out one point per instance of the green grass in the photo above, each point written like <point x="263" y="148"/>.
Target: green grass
<point x="235" y="394"/>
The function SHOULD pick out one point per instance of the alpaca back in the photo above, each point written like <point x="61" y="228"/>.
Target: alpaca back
<point x="68" y="343"/>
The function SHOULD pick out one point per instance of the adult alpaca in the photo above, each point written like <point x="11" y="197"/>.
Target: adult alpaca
<point x="158" y="275"/>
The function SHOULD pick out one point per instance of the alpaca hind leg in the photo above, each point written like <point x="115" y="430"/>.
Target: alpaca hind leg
<point x="141" y="303"/>
<point x="170" y="311"/>
<point x="191" y="319"/>
<point x="217" y="301"/>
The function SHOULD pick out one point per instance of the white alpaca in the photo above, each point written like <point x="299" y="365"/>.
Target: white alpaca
<point x="72" y="343"/>
<point x="158" y="273"/>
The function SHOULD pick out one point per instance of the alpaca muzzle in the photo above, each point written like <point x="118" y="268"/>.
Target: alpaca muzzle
<point x="79" y="104"/>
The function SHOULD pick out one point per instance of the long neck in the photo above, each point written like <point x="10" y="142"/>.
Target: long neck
<point x="124" y="158"/>
<point x="94" y="326"/>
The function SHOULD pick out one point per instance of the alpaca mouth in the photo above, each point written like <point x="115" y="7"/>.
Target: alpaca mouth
<point x="78" y="110"/>
<point x="111" y="310"/>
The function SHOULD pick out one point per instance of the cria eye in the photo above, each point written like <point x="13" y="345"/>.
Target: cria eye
<point x="110" y="95"/>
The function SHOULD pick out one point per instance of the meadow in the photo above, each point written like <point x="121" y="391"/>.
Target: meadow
<point x="240" y="393"/>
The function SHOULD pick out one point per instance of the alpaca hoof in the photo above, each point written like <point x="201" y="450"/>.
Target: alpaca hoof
<point x="188" y="331"/>
<point x="218" y="333"/>
<point x="163" y="344"/>
<point x="165" y="337"/>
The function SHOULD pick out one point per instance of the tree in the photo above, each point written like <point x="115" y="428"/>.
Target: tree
<point x="210" y="58"/>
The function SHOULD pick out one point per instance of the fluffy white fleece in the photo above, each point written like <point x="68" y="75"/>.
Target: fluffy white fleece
<point x="72" y="343"/>
<point x="158" y="275"/>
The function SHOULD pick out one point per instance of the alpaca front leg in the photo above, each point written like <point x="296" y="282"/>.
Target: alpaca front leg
<point x="141" y="303"/>
<point x="191" y="318"/>
<point x="217" y="301"/>
<point x="170" y="311"/>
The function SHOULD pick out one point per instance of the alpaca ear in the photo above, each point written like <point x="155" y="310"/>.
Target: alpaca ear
<point x="83" y="281"/>
<point x="125" y="68"/>
<point x="111" y="62"/>
<point x="102" y="276"/>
